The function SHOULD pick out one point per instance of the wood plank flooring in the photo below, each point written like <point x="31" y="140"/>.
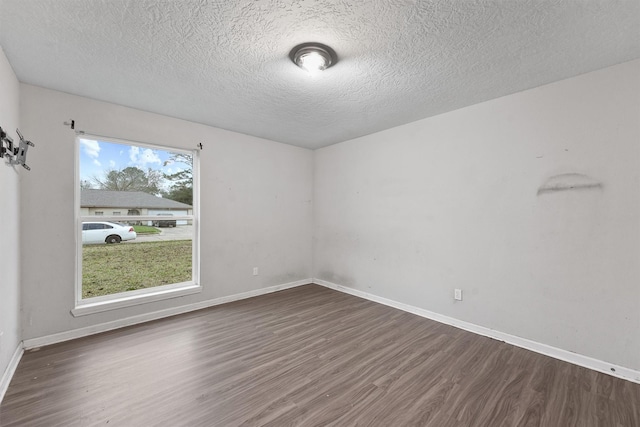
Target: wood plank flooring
<point x="307" y="356"/>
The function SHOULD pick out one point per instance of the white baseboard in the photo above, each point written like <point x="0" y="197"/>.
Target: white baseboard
<point x="547" y="350"/>
<point x="133" y="320"/>
<point x="11" y="369"/>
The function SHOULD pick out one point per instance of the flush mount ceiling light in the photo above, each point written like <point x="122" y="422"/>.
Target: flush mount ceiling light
<point x="313" y="57"/>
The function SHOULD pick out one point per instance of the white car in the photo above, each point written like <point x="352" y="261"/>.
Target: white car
<point x="106" y="232"/>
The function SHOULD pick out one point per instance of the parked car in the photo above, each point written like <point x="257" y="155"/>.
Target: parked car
<point x="165" y="222"/>
<point x="106" y="232"/>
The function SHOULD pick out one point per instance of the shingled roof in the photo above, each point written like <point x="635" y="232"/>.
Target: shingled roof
<point x="126" y="199"/>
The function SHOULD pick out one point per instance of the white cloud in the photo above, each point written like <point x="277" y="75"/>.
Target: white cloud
<point x="91" y="148"/>
<point x="143" y="157"/>
<point x="112" y="164"/>
<point x="134" y="152"/>
<point x="171" y="170"/>
<point x="96" y="162"/>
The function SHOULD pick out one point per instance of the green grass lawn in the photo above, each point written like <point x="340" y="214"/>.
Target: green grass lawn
<point x="145" y="229"/>
<point x="109" y="269"/>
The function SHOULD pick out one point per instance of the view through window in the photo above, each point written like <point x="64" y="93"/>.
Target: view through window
<point x="153" y="244"/>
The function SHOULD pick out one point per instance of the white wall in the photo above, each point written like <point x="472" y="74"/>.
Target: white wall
<point x="256" y="206"/>
<point x="10" y="333"/>
<point x="451" y="201"/>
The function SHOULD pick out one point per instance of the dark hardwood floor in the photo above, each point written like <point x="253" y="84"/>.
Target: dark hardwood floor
<point x="307" y="356"/>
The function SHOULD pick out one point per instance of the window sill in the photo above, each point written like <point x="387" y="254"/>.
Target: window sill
<point x="88" y="307"/>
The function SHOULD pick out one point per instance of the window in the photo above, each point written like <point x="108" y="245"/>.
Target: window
<point x="125" y="261"/>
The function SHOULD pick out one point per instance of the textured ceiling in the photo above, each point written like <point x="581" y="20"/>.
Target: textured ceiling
<point x="225" y="63"/>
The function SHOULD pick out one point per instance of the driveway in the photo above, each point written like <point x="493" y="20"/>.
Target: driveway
<point x="181" y="232"/>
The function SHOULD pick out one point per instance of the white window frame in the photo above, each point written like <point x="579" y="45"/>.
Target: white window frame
<point x="85" y="306"/>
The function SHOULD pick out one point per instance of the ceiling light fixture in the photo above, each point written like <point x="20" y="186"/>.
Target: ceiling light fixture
<point x="313" y="57"/>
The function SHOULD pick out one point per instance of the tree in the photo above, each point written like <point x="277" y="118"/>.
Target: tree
<point x="182" y="188"/>
<point x="130" y="179"/>
<point x="85" y="184"/>
<point x="180" y="193"/>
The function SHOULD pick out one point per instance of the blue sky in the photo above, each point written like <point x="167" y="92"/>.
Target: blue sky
<point x="98" y="157"/>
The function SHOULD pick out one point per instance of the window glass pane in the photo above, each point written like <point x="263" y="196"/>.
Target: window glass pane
<point x="153" y="183"/>
<point x="121" y="167"/>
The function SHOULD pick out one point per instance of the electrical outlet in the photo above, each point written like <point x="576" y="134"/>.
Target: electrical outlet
<point x="255" y="271"/>
<point x="457" y="294"/>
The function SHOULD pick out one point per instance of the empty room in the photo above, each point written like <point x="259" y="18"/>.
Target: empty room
<point x="320" y="213"/>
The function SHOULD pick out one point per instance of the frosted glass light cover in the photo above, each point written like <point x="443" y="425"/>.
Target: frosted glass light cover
<point x="313" y="57"/>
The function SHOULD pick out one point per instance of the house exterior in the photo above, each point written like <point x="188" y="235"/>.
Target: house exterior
<point x="132" y="203"/>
